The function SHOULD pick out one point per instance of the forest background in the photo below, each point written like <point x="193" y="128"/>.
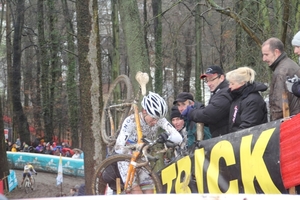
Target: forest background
<point x="58" y="57"/>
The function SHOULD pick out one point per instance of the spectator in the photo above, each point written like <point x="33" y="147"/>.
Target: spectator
<point x="74" y="190"/>
<point x="65" y="145"/>
<point x="176" y="119"/>
<point x="9" y="146"/>
<point x="14" y="148"/>
<point x="67" y="152"/>
<point x="48" y="150"/>
<point x="182" y="101"/>
<point x="18" y="143"/>
<point x="53" y="146"/>
<point x="178" y="124"/>
<point x="39" y="148"/>
<point x="216" y="114"/>
<point x="36" y="141"/>
<point x="81" y="190"/>
<point x="248" y="107"/>
<point x="6" y="144"/>
<point x="293" y="83"/>
<point x="82" y="155"/>
<point x="57" y="151"/>
<point x="282" y="67"/>
<point x="23" y="146"/>
<point x="76" y="154"/>
<point x="26" y="148"/>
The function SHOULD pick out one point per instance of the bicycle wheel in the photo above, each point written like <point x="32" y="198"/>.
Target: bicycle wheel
<point x="27" y="185"/>
<point x="105" y="176"/>
<point x="33" y="182"/>
<point x="120" y="91"/>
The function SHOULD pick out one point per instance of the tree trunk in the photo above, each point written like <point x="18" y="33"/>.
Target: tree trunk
<point x="238" y="39"/>
<point x="285" y="20"/>
<point x="36" y="99"/>
<point x="44" y="69"/>
<point x="55" y="68"/>
<point x="138" y="58"/>
<point x="71" y="78"/>
<point x="9" y="104"/>
<point x="157" y="10"/>
<point x="188" y="60"/>
<point x="116" y="40"/>
<point x="90" y="87"/>
<point x="198" y="63"/>
<point x="17" y="105"/>
<point x="4" y="168"/>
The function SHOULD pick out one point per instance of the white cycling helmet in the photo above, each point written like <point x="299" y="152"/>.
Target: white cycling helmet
<point x="155" y="105"/>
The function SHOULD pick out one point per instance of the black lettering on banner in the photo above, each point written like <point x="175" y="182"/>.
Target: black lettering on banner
<point x="246" y="161"/>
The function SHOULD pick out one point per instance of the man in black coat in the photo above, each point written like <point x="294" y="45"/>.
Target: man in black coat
<point x="216" y="113"/>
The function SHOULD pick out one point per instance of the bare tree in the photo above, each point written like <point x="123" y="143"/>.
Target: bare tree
<point x="71" y="77"/>
<point x="23" y="127"/>
<point x="90" y="87"/>
<point x="4" y="168"/>
<point x="115" y="40"/>
<point x="43" y="60"/>
<point x="198" y="56"/>
<point x="157" y="14"/>
<point x="138" y="58"/>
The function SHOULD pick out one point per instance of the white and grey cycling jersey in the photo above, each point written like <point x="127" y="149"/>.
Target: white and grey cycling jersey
<point x="128" y="133"/>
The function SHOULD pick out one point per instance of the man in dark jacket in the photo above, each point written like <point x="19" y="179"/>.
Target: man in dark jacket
<point x="282" y="67"/>
<point x="216" y="113"/>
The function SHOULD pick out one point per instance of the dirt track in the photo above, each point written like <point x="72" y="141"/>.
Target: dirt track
<point x="45" y="186"/>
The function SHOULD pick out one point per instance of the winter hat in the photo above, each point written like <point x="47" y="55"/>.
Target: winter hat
<point x="296" y="40"/>
<point x="182" y="97"/>
<point x="175" y="112"/>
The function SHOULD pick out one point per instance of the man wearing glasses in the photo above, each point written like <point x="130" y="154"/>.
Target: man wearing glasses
<point x="216" y="113"/>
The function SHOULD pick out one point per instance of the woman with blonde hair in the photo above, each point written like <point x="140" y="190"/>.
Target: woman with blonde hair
<point x="248" y="107"/>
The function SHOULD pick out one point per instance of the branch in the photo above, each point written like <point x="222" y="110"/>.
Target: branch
<point x="233" y="15"/>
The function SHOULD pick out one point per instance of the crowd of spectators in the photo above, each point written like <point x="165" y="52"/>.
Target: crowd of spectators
<point x="40" y="146"/>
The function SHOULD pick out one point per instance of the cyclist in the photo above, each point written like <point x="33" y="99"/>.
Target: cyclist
<point x="28" y="169"/>
<point x="152" y="117"/>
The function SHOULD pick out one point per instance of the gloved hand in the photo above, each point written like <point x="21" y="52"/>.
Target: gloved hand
<point x="162" y="138"/>
<point x="290" y="82"/>
<point x="186" y="112"/>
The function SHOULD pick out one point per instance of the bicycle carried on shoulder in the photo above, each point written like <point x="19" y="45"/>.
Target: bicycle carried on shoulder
<point x="107" y="177"/>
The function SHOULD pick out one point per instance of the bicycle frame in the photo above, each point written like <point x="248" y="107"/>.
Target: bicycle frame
<point x="138" y="146"/>
<point x="112" y="126"/>
<point x="27" y="182"/>
<point x="138" y="149"/>
<point x="136" y="153"/>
